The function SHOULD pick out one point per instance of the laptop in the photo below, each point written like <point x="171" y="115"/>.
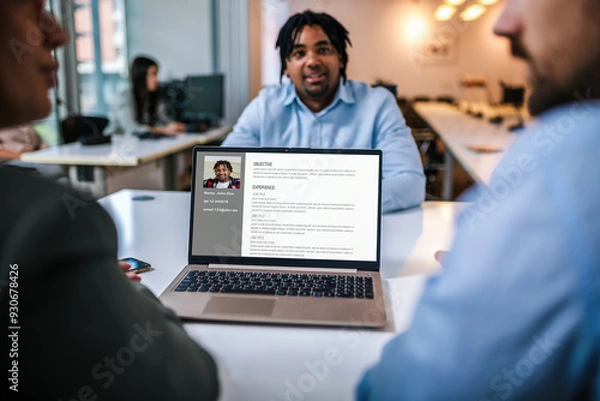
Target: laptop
<point x="290" y="236"/>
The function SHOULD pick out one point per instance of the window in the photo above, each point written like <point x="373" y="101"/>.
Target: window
<point x="101" y="52"/>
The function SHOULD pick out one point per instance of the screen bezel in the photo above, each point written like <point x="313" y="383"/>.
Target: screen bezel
<point x="265" y="261"/>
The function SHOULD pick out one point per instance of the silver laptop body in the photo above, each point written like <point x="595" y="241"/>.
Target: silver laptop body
<point x="291" y="236"/>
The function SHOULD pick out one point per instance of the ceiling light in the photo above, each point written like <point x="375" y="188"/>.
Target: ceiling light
<point x="454" y="2"/>
<point x="415" y="27"/>
<point x="444" y="12"/>
<point x="488" y="2"/>
<point x="472" y="12"/>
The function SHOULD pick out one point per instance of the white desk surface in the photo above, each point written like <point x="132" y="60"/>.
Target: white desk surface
<point x="277" y="363"/>
<point x="122" y="151"/>
<point x="459" y="130"/>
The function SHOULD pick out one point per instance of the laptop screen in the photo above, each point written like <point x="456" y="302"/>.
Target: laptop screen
<point x="290" y="207"/>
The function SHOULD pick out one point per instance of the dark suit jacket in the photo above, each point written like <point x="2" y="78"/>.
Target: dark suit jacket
<point x="85" y="329"/>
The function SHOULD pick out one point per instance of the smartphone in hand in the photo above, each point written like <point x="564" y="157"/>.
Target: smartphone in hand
<point x="137" y="266"/>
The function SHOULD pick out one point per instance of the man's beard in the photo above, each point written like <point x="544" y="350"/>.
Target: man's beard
<point x="318" y="93"/>
<point x="547" y="94"/>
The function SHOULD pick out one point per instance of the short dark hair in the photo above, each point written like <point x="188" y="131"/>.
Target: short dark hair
<point x="337" y="34"/>
<point x="223" y="163"/>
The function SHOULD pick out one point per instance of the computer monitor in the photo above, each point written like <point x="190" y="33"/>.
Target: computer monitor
<point x="514" y="95"/>
<point x="204" y="98"/>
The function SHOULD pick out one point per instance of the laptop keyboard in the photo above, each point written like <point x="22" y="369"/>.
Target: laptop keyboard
<point x="281" y="284"/>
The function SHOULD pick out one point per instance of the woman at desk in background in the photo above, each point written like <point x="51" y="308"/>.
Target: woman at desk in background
<point x="138" y="110"/>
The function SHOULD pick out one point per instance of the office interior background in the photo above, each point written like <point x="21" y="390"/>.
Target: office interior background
<point x="398" y="42"/>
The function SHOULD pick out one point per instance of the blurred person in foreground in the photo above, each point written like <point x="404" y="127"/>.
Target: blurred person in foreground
<point x="81" y="328"/>
<point x="513" y="315"/>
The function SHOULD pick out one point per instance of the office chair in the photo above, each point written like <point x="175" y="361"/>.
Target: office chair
<point x="422" y="98"/>
<point x="515" y="96"/>
<point x="445" y="99"/>
<point x="429" y="148"/>
<point x="86" y="129"/>
<point x="476" y="92"/>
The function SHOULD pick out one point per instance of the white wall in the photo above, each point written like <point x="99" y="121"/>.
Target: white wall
<point x="177" y="33"/>
<point x="383" y="50"/>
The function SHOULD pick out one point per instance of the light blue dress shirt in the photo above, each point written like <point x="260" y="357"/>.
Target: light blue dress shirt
<point x="359" y="117"/>
<point x="515" y="314"/>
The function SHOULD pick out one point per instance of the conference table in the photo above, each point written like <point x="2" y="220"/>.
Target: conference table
<point x="277" y="362"/>
<point x="126" y="162"/>
<point x="475" y="143"/>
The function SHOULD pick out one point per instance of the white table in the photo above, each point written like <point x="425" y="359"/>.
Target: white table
<point x="460" y="130"/>
<point x="127" y="162"/>
<point x="276" y="363"/>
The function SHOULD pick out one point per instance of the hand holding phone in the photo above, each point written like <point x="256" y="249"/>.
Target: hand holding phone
<point x="137" y="266"/>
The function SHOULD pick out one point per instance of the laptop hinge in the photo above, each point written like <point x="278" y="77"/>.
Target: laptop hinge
<point x="284" y="268"/>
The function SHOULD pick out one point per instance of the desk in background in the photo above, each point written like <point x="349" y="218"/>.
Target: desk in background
<point x="277" y="363"/>
<point x="459" y="130"/>
<point x="127" y="162"/>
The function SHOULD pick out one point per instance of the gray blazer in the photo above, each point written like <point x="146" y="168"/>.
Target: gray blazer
<point x="84" y="327"/>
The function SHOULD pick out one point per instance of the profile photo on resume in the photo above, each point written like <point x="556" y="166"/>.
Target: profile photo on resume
<point x="219" y="172"/>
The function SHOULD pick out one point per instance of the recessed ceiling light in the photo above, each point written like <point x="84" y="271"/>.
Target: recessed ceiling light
<point x="472" y="12"/>
<point x="444" y="12"/>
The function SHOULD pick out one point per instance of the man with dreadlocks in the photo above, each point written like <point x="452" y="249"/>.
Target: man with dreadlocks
<point x="319" y="107"/>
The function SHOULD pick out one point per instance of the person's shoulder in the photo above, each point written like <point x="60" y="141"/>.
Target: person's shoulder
<point x="564" y="131"/>
<point x="558" y="151"/>
<point x="277" y="93"/>
<point x="25" y="193"/>
<point x="363" y="90"/>
<point x="24" y="186"/>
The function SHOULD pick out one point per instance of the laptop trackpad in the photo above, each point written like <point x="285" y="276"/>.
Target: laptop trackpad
<point x="240" y="306"/>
